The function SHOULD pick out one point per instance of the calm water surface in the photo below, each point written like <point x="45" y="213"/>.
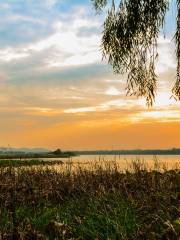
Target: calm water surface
<point x="122" y="161"/>
<point x="92" y="158"/>
<point x="84" y="158"/>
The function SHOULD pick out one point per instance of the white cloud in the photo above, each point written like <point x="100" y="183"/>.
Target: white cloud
<point x="68" y="47"/>
<point x="112" y="91"/>
<point x="10" y="54"/>
<point x="159" y="115"/>
<point x="108" y="105"/>
<point x="16" y="17"/>
<point x="80" y="110"/>
<point x="164" y="99"/>
<point x="166" y="58"/>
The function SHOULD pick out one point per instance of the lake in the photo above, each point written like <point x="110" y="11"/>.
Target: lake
<point x="122" y="161"/>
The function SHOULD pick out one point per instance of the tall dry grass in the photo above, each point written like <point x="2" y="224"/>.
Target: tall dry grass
<point x="153" y="198"/>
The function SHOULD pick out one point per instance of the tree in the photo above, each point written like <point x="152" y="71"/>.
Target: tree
<point x="129" y="42"/>
<point x="57" y="152"/>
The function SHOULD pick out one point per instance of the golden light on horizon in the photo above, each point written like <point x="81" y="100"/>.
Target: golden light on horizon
<point x="57" y="92"/>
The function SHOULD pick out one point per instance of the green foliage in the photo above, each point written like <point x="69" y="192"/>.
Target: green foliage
<point x="109" y="217"/>
<point x="176" y="225"/>
<point x="129" y="42"/>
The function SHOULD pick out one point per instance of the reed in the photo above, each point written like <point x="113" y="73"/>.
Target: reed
<point x="97" y="203"/>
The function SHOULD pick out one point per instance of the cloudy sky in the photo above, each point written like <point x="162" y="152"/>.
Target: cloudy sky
<point x="55" y="90"/>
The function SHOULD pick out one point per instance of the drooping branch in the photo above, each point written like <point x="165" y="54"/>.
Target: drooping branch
<point x="176" y="89"/>
<point x="129" y="42"/>
<point x="99" y="4"/>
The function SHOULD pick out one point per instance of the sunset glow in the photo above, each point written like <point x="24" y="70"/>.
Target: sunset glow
<point x="57" y="92"/>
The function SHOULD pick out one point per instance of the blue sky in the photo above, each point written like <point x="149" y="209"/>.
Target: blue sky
<point x="52" y="76"/>
<point x="27" y="21"/>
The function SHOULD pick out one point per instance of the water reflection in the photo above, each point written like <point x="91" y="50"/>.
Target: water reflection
<point x="122" y="162"/>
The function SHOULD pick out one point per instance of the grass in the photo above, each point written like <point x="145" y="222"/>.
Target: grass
<point x="26" y="163"/>
<point x="87" y="219"/>
<point x="100" y="204"/>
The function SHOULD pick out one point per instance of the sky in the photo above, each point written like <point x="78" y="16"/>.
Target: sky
<point x="57" y="92"/>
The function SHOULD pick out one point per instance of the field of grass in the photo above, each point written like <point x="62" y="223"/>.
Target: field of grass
<point x="84" y="204"/>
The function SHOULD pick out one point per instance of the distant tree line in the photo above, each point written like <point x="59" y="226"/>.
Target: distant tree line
<point x="173" y="151"/>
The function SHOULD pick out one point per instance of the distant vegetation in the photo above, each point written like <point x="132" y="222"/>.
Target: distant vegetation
<point x="66" y="154"/>
<point x="173" y="151"/>
<point x="100" y="204"/>
<point x="29" y="155"/>
<point x="31" y="162"/>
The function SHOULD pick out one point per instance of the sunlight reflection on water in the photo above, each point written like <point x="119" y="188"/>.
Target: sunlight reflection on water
<point x="122" y="162"/>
